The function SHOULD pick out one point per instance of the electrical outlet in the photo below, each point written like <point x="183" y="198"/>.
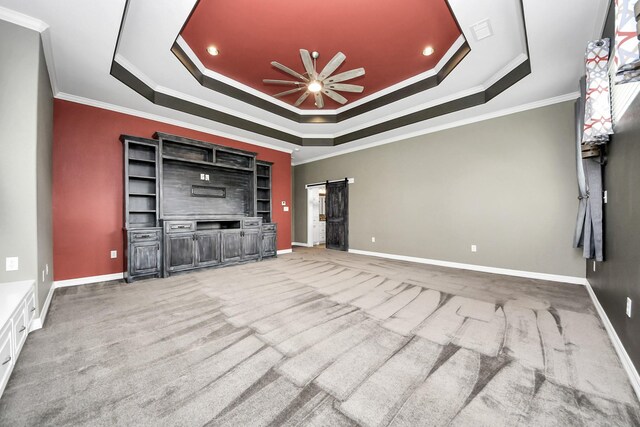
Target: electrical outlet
<point x="206" y="177"/>
<point x="114" y="254"/>
<point x="286" y="208"/>
<point x="283" y="203"/>
<point x="12" y="263"/>
<point x="474" y="248"/>
<point x="201" y="177"/>
<point x="629" y="304"/>
<point x="46" y="269"/>
<point x="373" y="239"/>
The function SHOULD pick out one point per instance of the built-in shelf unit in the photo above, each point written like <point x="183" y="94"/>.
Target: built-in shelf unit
<point x="192" y="204"/>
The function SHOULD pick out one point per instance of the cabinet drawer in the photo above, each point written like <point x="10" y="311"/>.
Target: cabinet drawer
<point x="6" y="357"/>
<point x="269" y="227"/>
<point x="251" y="223"/>
<point x="31" y="307"/>
<point x="20" y="327"/>
<point x="144" y="235"/>
<point x="179" y="226"/>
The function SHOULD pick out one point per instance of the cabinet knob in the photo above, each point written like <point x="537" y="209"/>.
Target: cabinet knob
<point x="7" y="360"/>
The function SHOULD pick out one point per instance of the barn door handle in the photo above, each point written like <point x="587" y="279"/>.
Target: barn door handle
<point x="22" y="329"/>
<point x="7" y="360"/>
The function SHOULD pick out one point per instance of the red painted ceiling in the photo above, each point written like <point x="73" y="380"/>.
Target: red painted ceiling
<point x="386" y="37"/>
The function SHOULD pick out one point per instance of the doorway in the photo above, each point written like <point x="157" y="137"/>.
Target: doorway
<point x="328" y="214"/>
<point x="316" y="220"/>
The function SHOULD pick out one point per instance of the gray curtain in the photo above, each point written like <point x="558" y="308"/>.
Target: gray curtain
<point x="589" y="224"/>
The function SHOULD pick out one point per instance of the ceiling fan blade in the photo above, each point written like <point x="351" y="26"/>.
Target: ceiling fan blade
<point x="335" y="62"/>
<point x="345" y="88"/>
<point x="319" y="100"/>
<point x="302" y="98"/>
<point x="289" y="92"/>
<point x="308" y="63"/>
<point x="335" y="96"/>
<point x="347" y="75"/>
<point x="289" y="71"/>
<point x="281" y="82"/>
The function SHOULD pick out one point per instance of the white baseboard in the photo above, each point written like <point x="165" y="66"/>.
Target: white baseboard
<point x="503" y="271"/>
<point x="285" y="251"/>
<point x="631" y="370"/>
<point x="306" y="245"/>
<point x="38" y="322"/>
<point x="87" y="280"/>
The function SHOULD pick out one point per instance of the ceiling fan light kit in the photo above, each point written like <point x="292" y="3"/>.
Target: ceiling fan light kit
<point x="316" y="84"/>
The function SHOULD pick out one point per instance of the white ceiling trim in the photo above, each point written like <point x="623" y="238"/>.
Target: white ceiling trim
<point x="42" y="27"/>
<point x="426" y="131"/>
<point x="163" y="119"/>
<point x="513" y="64"/>
<point x="411" y="80"/>
<point x="183" y="96"/>
<point x="400" y="85"/>
<point x="224" y="79"/>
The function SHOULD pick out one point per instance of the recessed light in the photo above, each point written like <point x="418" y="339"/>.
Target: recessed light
<point x="428" y="51"/>
<point x="213" y="51"/>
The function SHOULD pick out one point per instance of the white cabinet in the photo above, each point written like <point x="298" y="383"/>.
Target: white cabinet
<point x="17" y="310"/>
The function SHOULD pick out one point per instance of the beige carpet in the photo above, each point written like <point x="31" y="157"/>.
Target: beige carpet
<point x="321" y="338"/>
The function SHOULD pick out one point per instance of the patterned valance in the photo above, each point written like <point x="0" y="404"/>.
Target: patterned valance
<point x="597" y="119"/>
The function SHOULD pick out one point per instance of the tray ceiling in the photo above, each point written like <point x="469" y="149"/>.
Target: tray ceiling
<point x="138" y="57"/>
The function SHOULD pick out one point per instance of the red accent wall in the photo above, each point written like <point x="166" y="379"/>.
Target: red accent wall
<point x="88" y="185"/>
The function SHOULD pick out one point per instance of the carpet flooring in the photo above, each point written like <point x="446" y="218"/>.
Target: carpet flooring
<point x="321" y="338"/>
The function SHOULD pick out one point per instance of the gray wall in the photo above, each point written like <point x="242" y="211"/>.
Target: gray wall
<point x="507" y="185"/>
<point x="44" y="179"/>
<point x="26" y="118"/>
<point x="618" y="277"/>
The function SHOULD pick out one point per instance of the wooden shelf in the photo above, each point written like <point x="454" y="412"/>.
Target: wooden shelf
<point x="143" y="194"/>
<point x="153" y="178"/>
<point x="263" y="188"/>
<point x="143" y="211"/>
<point x="262" y="176"/>
<point x="210" y="164"/>
<point x="132" y="159"/>
<point x="264" y="200"/>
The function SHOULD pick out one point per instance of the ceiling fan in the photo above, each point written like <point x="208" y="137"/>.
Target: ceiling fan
<point x="312" y="82"/>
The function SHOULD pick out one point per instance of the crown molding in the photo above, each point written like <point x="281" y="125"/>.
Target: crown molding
<point x="501" y="113"/>
<point x="132" y="112"/>
<point x="41" y="27"/>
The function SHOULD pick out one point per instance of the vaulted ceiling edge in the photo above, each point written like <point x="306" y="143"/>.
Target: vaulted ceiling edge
<point x="129" y="78"/>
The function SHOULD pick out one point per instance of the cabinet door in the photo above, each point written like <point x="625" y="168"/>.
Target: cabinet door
<point x="180" y="252"/>
<point x="268" y="244"/>
<point x="207" y="249"/>
<point x="251" y="244"/>
<point x="145" y="258"/>
<point x="231" y="245"/>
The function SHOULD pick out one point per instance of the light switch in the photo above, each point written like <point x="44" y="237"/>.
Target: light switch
<point x="286" y="208"/>
<point x="114" y="254"/>
<point x="12" y="263"/>
<point x="474" y="248"/>
<point x="283" y="203"/>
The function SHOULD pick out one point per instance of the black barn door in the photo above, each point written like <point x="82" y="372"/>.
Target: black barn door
<point x="337" y="208"/>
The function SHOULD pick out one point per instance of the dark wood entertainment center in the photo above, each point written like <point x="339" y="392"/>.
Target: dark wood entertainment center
<point x="191" y="204"/>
